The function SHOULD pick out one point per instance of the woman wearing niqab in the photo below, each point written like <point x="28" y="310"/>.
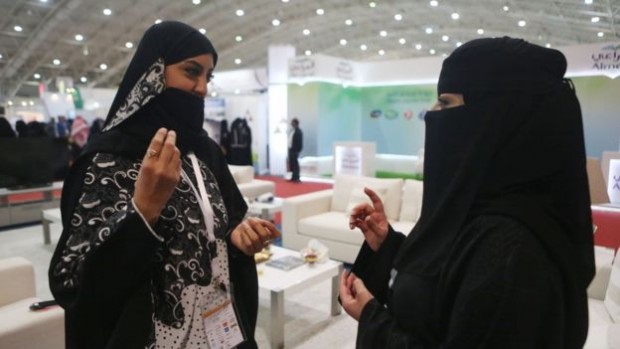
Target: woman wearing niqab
<point x="502" y="253"/>
<point x="128" y="278"/>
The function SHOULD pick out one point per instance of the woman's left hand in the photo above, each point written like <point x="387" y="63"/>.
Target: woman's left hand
<point x="353" y="295"/>
<point x="253" y="234"/>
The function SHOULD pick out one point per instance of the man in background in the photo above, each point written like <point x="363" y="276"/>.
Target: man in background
<point x="295" y="144"/>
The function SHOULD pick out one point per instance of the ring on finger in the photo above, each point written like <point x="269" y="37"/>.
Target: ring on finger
<point x="267" y="242"/>
<point x="151" y="153"/>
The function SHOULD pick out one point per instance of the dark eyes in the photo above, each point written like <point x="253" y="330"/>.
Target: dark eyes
<point x="195" y="72"/>
<point x="210" y="77"/>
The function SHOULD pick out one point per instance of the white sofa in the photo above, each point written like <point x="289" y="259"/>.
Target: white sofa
<point x="604" y="301"/>
<point x="21" y="328"/>
<point x="249" y="186"/>
<point x="323" y="215"/>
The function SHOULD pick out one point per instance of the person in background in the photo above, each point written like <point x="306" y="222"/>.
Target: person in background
<point x="503" y="252"/>
<point x="62" y="127"/>
<point x="95" y="127"/>
<point x="51" y="127"/>
<point x="156" y="245"/>
<point x="295" y="145"/>
<point x="6" y="131"/>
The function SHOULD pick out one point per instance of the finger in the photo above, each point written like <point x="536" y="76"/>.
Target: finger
<point x="345" y="292"/>
<point x="256" y="225"/>
<point x="246" y="243"/>
<point x="255" y="241"/>
<point x="156" y="142"/>
<point x="376" y="200"/>
<point x="169" y="147"/>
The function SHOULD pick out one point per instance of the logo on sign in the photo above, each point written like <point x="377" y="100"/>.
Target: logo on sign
<point x="607" y="60"/>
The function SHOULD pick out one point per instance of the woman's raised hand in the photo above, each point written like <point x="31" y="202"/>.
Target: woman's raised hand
<point x="254" y="234"/>
<point x="371" y="220"/>
<point x="158" y="176"/>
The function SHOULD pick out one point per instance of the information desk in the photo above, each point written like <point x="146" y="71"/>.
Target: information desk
<point x="25" y="205"/>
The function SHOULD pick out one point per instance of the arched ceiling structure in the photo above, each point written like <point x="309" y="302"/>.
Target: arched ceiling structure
<point x="91" y="40"/>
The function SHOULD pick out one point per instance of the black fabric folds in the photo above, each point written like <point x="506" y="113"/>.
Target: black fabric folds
<point x="515" y="149"/>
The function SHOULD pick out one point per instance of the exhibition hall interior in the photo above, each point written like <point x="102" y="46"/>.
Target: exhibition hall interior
<point x="357" y="77"/>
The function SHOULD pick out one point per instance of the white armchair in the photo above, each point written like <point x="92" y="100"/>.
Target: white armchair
<point x="323" y="215"/>
<point x="249" y="186"/>
<point x="604" y="301"/>
<point x="21" y="328"/>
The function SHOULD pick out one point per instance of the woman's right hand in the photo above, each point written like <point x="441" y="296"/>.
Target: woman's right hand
<point x="371" y="220"/>
<point x="159" y="175"/>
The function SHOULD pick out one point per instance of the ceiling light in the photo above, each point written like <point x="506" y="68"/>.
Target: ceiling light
<point x="308" y="52"/>
<point x="42" y="0"/>
<point x="418" y="46"/>
<point x="213" y="94"/>
<point x="348" y="22"/>
<point x="31" y="103"/>
<point x="431" y="51"/>
<point x="79" y="37"/>
<point x="24" y="104"/>
<point x="600" y="34"/>
<point x="480" y="31"/>
<point x="157" y="21"/>
<point x="398" y="17"/>
<point x="56" y="61"/>
<point x="434" y="3"/>
<point x="363" y="47"/>
<point x="506" y="8"/>
<point x="522" y="23"/>
<point x="429" y="30"/>
<point x="445" y="38"/>
<point x="455" y="16"/>
<point x="372" y="4"/>
<point x="196" y="2"/>
<point x="238" y="38"/>
<point x="239" y="12"/>
<point x="402" y="41"/>
<point x="10" y="102"/>
<point x="129" y="44"/>
<point x="320" y="11"/>
<point x="17" y="28"/>
<point x="588" y="2"/>
<point x="548" y="45"/>
<point x="306" y="31"/>
<point x="85" y="50"/>
<point x="383" y="33"/>
<point x="343" y="42"/>
<point x="275" y="22"/>
<point x="103" y="66"/>
<point x="284" y="0"/>
<point x="237" y="91"/>
<point x="381" y="52"/>
<point x="0" y="56"/>
<point x="458" y="44"/>
<point x="83" y="79"/>
<point x="107" y="11"/>
<point x="202" y="31"/>
<point x="237" y="61"/>
<point x="37" y="76"/>
<point x="595" y="19"/>
<point x="444" y="55"/>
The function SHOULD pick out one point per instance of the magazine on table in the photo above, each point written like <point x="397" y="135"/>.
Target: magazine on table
<point x="285" y="263"/>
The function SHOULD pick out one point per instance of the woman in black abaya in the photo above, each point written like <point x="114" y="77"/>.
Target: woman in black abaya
<point x="154" y="237"/>
<point x="502" y="253"/>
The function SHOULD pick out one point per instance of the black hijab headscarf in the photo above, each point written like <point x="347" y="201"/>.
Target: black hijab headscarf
<point x="516" y="149"/>
<point x="6" y="131"/>
<point x="143" y="104"/>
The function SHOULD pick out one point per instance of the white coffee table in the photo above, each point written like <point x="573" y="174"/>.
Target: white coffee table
<point x="265" y="210"/>
<point x="49" y="216"/>
<point x="276" y="282"/>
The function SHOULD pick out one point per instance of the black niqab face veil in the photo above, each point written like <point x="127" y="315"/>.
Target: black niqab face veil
<point x="515" y="148"/>
<point x="143" y="104"/>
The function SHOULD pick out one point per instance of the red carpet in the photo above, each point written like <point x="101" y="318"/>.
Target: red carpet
<point x="285" y="189"/>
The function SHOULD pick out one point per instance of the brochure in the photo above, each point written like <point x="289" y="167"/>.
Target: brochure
<point x="285" y="263"/>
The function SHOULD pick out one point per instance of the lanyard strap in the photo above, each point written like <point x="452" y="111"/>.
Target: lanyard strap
<point x="201" y="195"/>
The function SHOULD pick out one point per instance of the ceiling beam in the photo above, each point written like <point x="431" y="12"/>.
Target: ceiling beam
<point x="38" y="37"/>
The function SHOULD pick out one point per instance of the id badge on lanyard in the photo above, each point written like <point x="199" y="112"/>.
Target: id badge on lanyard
<point x="220" y="321"/>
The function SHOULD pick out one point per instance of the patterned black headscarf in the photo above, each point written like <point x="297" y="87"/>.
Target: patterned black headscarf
<point x="516" y="149"/>
<point x="143" y="104"/>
